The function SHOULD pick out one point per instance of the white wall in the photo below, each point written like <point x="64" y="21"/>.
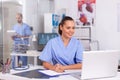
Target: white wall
<point x="30" y="13"/>
<point x="106" y="24"/>
<point x="70" y="6"/>
<point x="105" y="29"/>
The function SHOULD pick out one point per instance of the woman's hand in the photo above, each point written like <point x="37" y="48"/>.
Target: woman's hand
<point x="59" y="68"/>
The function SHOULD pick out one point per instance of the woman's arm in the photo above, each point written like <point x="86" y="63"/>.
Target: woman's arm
<point x="73" y="66"/>
<point x="48" y="65"/>
<point x="61" y="68"/>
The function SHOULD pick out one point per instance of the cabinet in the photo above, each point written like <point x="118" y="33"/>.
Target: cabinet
<point x="84" y="35"/>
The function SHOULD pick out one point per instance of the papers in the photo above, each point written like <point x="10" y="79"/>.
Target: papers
<point x="11" y="32"/>
<point x="53" y="73"/>
<point x="50" y="72"/>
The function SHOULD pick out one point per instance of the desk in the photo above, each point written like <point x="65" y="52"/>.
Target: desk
<point x="30" y="53"/>
<point x="10" y="76"/>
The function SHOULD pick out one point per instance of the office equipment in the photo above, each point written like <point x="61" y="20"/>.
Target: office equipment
<point x="6" y="66"/>
<point x="43" y="38"/>
<point x="33" y="74"/>
<point x="99" y="64"/>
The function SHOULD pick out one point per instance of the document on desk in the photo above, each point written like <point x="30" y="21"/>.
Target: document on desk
<point x="53" y="73"/>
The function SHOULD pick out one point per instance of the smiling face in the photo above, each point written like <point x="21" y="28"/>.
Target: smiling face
<point x="68" y="29"/>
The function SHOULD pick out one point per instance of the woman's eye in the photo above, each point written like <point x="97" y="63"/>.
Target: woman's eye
<point x="73" y="28"/>
<point x="68" y="27"/>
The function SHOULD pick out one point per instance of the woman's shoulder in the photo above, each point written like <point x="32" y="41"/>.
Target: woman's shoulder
<point x="74" y="39"/>
<point x="55" y="39"/>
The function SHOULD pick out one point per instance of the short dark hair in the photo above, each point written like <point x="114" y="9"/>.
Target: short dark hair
<point x="20" y="14"/>
<point x="66" y="18"/>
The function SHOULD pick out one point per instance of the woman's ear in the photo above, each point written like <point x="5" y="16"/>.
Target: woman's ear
<point x="61" y="27"/>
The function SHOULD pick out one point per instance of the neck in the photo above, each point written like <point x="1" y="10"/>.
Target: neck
<point x="65" y="40"/>
<point x="20" y="23"/>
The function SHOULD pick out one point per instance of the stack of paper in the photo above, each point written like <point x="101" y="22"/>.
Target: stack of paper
<point x="53" y="73"/>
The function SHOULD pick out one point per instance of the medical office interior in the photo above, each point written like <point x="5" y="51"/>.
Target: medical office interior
<point x="104" y="34"/>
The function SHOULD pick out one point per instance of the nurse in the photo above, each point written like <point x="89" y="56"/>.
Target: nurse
<point x="63" y="52"/>
<point x="21" y="39"/>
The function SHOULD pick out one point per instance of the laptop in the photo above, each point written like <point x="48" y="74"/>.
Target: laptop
<point x="99" y="64"/>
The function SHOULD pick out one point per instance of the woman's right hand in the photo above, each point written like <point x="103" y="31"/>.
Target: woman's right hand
<point x="59" y="68"/>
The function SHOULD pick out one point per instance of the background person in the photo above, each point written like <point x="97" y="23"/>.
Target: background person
<point x="21" y="38"/>
<point x="63" y="52"/>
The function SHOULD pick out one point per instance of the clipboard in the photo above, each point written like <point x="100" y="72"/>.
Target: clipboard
<point x="33" y="74"/>
<point x="11" y="32"/>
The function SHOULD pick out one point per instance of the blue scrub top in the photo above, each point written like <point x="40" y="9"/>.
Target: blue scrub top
<point x="56" y="53"/>
<point x="23" y="30"/>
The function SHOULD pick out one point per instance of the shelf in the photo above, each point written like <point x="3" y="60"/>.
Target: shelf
<point x="84" y="35"/>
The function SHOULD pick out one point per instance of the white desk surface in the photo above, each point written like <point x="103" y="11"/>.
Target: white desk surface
<point x="29" y="53"/>
<point x="9" y="76"/>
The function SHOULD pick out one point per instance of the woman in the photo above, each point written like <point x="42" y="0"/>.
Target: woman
<point x="63" y="52"/>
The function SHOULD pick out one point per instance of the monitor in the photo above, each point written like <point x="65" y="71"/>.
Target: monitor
<point x="43" y="38"/>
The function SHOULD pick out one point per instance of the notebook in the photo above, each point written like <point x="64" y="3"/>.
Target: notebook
<point x="99" y="64"/>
